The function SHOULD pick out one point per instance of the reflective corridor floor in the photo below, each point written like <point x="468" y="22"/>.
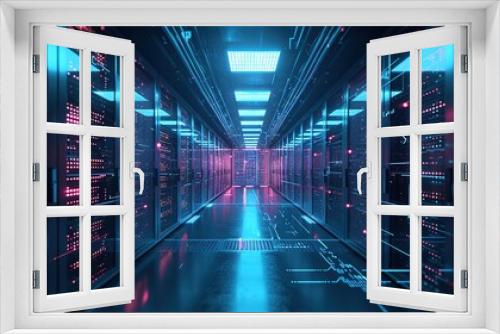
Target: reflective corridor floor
<point x="250" y="251"/>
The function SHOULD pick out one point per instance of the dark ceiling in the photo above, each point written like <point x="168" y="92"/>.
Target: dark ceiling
<point x="194" y="61"/>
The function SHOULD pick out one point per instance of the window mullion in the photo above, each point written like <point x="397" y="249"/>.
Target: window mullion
<point x="414" y="171"/>
<point x="85" y="170"/>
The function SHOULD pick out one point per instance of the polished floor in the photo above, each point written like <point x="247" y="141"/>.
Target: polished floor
<point x="250" y="251"/>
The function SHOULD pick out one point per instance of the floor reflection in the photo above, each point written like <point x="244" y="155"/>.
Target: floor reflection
<point x="251" y="251"/>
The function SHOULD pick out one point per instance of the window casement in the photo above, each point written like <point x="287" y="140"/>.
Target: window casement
<point x="67" y="132"/>
<point x="417" y="159"/>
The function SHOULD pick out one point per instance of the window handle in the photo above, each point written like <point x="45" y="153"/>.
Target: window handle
<point x="135" y="170"/>
<point x="359" y="175"/>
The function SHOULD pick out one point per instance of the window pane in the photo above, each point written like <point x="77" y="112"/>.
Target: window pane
<point x="105" y="77"/>
<point x="395" y="169"/>
<point x="437" y="169"/>
<point x="63" y="259"/>
<point x="105" y="171"/>
<point x="63" y="85"/>
<point x="437" y="254"/>
<point x="63" y="167"/>
<point x="105" y="251"/>
<point x="437" y="84"/>
<point x="395" y="93"/>
<point x="395" y="251"/>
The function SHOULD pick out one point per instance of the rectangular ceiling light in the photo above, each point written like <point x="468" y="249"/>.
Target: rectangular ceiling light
<point x="251" y="129"/>
<point x="252" y="122"/>
<point x="252" y="135"/>
<point x="252" y="112"/>
<point x="111" y="95"/>
<point x="253" y="61"/>
<point x="252" y="95"/>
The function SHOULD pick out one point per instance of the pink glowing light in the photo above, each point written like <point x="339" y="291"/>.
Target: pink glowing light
<point x="145" y="297"/>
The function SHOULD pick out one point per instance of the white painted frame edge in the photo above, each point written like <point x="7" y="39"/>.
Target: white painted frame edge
<point x="254" y="16"/>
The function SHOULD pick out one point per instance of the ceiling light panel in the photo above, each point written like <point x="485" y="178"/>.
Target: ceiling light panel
<point x="259" y="122"/>
<point x="252" y="112"/>
<point x="253" y="61"/>
<point x="252" y="95"/>
<point x="251" y="129"/>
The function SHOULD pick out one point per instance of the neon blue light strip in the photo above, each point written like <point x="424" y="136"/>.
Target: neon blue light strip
<point x="252" y="122"/>
<point x="251" y="129"/>
<point x="193" y="219"/>
<point x="151" y="112"/>
<point x="308" y="220"/>
<point x="110" y="95"/>
<point x="252" y="112"/>
<point x="352" y="112"/>
<point x="252" y="95"/>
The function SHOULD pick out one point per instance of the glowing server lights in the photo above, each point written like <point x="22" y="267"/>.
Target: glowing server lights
<point x="252" y="95"/>
<point x="252" y="112"/>
<point x="253" y="61"/>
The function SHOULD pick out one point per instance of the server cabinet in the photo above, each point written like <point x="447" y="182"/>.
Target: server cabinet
<point x="145" y="137"/>
<point x="356" y="153"/>
<point x="307" y="165"/>
<point x="185" y="163"/>
<point x="263" y="156"/>
<point x="337" y="165"/>
<point x="204" y="164"/>
<point x="166" y="159"/>
<point x="318" y="164"/>
<point x="210" y="152"/>
<point x="298" y="168"/>
<point x="197" y="168"/>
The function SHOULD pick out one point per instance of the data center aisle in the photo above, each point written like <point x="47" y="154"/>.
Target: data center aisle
<point x="250" y="251"/>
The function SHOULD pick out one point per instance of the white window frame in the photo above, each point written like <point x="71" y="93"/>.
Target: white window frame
<point x="16" y="21"/>
<point x="413" y="43"/>
<point x="86" y="43"/>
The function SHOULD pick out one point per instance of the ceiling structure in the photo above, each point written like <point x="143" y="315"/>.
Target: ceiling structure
<point x="251" y="83"/>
